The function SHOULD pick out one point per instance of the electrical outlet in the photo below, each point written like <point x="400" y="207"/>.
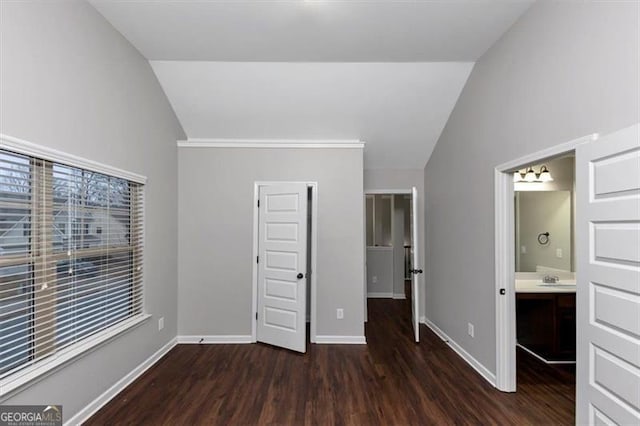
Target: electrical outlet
<point x="374" y="279"/>
<point x="559" y="253"/>
<point x="160" y="323"/>
<point x="340" y="313"/>
<point x="470" y="330"/>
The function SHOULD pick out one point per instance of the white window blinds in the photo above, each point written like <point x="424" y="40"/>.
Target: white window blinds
<point x="70" y="256"/>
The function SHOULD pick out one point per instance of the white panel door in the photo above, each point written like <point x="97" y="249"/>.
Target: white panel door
<point x="416" y="271"/>
<point x="608" y="273"/>
<point x="282" y="266"/>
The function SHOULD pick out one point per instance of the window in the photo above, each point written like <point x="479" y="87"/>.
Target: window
<point x="70" y="257"/>
<point x="378" y="220"/>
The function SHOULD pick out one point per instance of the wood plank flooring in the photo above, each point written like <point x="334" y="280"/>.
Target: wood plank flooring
<point x="390" y="381"/>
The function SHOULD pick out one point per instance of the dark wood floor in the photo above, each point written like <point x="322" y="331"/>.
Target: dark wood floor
<point x="389" y="381"/>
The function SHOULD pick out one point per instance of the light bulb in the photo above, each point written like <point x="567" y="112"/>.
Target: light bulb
<point x="530" y="176"/>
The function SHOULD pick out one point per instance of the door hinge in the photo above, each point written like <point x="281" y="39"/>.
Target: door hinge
<point x="258" y="203"/>
<point x="257" y="259"/>
<point x="256" y="316"/>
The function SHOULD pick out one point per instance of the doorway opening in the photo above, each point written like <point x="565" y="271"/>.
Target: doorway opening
<point x="284" y="280"/>
<point x="545" y="283"/>
<point x="535" y="230"/>
<point x="390" y="254"/>
<point x="535" y="269"/>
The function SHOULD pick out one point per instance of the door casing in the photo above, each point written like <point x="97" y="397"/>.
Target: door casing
<point x="314" y="251"/>
<point x="505" y="379"/>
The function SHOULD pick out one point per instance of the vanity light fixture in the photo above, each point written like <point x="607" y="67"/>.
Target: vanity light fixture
<point x="545" y="175"/>
<point x="530" y="176"/>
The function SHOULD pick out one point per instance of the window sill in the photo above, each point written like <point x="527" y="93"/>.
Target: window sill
<point x="42" y="368"/>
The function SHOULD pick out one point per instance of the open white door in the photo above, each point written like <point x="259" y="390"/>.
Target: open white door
<point x="282" y="265"/>
<point x="608" y="290"/>
<point x="415" y="293"/>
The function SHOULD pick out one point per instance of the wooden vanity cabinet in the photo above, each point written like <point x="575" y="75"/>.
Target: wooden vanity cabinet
<point x="546" y="324"/>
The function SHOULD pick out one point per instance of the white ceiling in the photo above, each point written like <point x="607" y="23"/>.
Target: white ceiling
<point x="312" y="31"/>
<point x="399" y="110"/>
<point x="387" y="72"/>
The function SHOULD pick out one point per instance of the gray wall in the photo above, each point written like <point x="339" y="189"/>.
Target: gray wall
<point x="216" y="235"/>
<point x="380" y="267"/>
<point x="564" y="70"/>
<point x="69" y="81"/>
<point x="404" y="179"/>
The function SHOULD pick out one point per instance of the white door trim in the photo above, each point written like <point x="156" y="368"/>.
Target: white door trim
<point x="314" y="252"/>
<point x="415" y="260"/>
<point x="505" y="258"/>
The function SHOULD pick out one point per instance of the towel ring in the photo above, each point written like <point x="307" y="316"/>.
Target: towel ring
<point x="543" y="238"/>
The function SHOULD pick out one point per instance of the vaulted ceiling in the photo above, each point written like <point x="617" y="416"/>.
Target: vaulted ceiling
<point x="384" y="71"/>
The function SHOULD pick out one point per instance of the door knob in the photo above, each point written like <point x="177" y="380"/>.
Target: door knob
<point x="416" y="271"/>
<point x="300" y="276"/>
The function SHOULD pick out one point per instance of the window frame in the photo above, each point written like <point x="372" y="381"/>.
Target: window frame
<point x="378" y="198"/>
<point x="57" y="358"/>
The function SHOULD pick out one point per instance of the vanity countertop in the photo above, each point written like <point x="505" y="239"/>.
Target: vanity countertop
<point x="537" y="286"/>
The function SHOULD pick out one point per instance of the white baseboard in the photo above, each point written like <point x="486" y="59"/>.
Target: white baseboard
<point x="481" y="369"/>
<point x="374" y="295"/>
<point x="215" y="340"/>
<point x="546" y="361"/>
<point x="344" y="340"/>
<point x="399" y="296"/>
<point x="88" y="411"/>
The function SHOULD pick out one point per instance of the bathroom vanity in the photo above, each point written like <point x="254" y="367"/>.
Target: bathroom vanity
<point x="546" y="319"/>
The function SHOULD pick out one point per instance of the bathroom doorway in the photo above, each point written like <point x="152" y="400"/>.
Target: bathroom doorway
<point x="535" y="238"/>
<point x="545" y="282"/>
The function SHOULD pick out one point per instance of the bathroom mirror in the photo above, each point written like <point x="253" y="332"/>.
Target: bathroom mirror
<point x="543" y="231"/>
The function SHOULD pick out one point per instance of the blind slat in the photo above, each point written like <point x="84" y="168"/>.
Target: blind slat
<point x="70" y="256"/>
<point x="50" y="319"/>
<point x="94" y="323"/>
